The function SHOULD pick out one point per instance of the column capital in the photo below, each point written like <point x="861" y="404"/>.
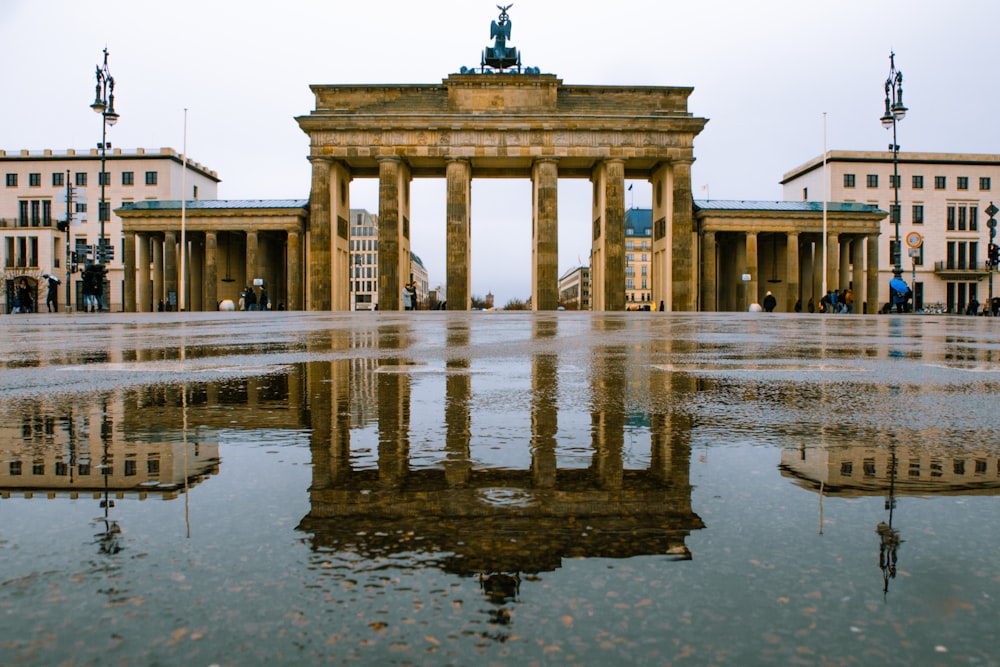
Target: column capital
<point x="546" y="159"/>
<point x="320" y="159"/>
<point x="395" y="159"/>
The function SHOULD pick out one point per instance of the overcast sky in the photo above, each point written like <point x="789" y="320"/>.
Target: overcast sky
<point x="763" y="74"/>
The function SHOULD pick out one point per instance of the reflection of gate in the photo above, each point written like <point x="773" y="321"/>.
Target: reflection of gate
<point x="11" y="295"/>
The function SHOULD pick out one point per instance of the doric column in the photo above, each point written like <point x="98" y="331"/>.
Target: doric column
<point x="871" y="277"/>
<point x="792" y="272"/>
<point x="752" y="265"/>
<point x="170" y="267"/>
<point x="682" y="238"/>
<point x="709" y="273"/>
<point x="608" y="249"/>
<point x="211" y="282"/>
<point x="858" y="273"/>
<point x="844" y="271"/>
<point x="320" y="237"/>
<point x="252" y="270"/>
<point x="458" y="288"/>
<point x="294" y="262"/>
<point x="196" y="274"/>
<point x="832" y="260"/>
<point x="142" y="276"/>
<point x="128" y="260"/>
<point x="393" y="237"/>
<point x="545" y="233"/>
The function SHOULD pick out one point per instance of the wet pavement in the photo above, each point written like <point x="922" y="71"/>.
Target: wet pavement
<point x="486" y="488"/>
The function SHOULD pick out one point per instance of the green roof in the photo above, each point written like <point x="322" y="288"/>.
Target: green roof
<point x="804" y="206"/>
<point x="206" y="204"/>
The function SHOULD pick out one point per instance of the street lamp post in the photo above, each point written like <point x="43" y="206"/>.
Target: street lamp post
<point x="104" y="104"/>
<point x="894" y="112"/>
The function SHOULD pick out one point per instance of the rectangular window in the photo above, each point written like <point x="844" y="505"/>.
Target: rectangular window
<point x="47" y="212"/>
<point x="894" y="257"/>
<point x="873" y="180"/>
<point x="894" y="213"/>
<point x="22" y="213"/>
<point x="34" y="180"/>
<point x="940" y="182"/>
<point x="80" y="178"/>
<point x="984" y="182"/>
<point x="846" y="468"/>
<point x="973" y="219"/>
<point x="57" y="179"/>
<point x="918" y="182"/>
<point x="961" y="218"/>
<point x="104" y="178"/>
<point x="918" y="214"/>
<point x="150" y="178"/>
<point x="15" y="468"/>
<point x="895" y="181"/>
<point x="848" y="180"/>
<point x="962" y="183"/>
<point x="36" y="213"/>
<point x="951" y="218"/>
<point x="38" y="468"/>
<point x="128" y="178"/>
<point x="11" y="180"/>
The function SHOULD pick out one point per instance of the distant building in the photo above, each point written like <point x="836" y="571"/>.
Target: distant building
<point x="364" y="259"/>
<point x="638" y="249"/>
<point x="941" y="197"/>
<point x="33" y="203"/>
<point x="574" y="289"/>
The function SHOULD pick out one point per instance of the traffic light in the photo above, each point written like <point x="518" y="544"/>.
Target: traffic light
<point x="62" y="225"/>
<point x="994" y="255"/>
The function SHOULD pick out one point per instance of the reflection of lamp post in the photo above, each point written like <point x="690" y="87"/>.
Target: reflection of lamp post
<point x="888" y="536"/>
<point x="993" y="253"/>
<point x="894" y="112"/>
<point x="104" y="104"/>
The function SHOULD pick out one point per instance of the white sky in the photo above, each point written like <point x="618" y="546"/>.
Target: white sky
<point x="763" y="74"/>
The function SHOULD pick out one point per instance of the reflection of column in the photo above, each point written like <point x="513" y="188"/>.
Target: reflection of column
<point x="545" y="241"/>
<point x="294" y="263"/>
<point x="857" y="272"/>
<point x="128" y="259"/>
<point x="544" y="408"/>
<point x="709" y="277"/>
<point x="871" y="277"/>
<point x="320" y="237"/>
<point x="144" y="288"/>
<point x="752" y="265"/>
<point x="329" y="407"/>
<point x="792" y="272"/>
<point x="457" y="418"/>
<point x="393" y="413"/>
<point x="211" y="287"/>
<point x="170" y="263"/>
<point x="607" y="411"/>
<point x="459" y="252"/>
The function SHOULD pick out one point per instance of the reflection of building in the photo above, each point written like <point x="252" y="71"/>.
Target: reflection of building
<point x="574" y="289"/>
<point x="33" y="199"/>
<point x="862" y="471"/>
<point x="941" y="197"/>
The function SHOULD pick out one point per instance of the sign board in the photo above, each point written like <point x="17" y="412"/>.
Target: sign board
<point x="914" y="240"/>
<point x="914" y="253"/>
<point x="258" y="282"/>
<point x="746" y="277"/>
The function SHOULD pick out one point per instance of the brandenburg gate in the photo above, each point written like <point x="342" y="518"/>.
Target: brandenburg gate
<point x="501" y="121"/>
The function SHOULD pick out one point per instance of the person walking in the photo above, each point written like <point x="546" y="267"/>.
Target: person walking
<point x="52" y="297"/>
<point x="770" y="302"/>
<point x="249" y="299"/>
<point x="262" y="301"/>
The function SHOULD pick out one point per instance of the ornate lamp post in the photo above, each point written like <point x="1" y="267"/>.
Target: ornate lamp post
<point x="894" y="112"/>
<point x="104" y="104"/>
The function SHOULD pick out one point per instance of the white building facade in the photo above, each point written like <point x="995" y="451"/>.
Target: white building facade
<point x="942" y="223"/>
<point x="33" y="203"/>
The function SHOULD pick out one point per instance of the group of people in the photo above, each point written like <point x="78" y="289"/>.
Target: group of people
<point x="833" y="302"/>
<point x="988" y="308"/>
<point x="409" y="296"/>
<point x="250" y="300"/>
<point x="24" y="295"/>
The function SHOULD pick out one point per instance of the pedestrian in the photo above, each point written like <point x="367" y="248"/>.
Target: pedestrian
<point x="973" y="308"/>
<point x="770" y="302"/>
<point x="849" y="300"/>
<point x="262" y="302"/>
<point x="798" y="305"/>
<point x="160" y="306"/>
<point x="407" y="300"/>
<point x="52" y="297"/>
<point x="24" y="296"/>
<point x="812" y="305"/>
<point x="249" y="298"/>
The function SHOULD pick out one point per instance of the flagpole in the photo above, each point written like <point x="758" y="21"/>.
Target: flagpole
<point x="825" y="197"/>
<point x="180" y="297"/>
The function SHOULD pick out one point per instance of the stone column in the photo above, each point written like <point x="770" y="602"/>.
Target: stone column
<point x="458" y="288"/>
<point x="792" y="272"/>
<point x="252" y="268"/>
<point x="844" y="271"/>
<point x="294" y="262"/>
<point x="832" y="260"/>
<point x="390" y="278"/>
<point x="858" y="273"/>
<point x="320" y="237"/>
<point x="196" y="274"/>
<point x="142" y="277"/>
<point x="170" y="267"/>
<point x="662" y="279"/>
<point x="211" y="282"/>
<point x="545" y="232"/>
<point x="871" y="277"/>
<point x="709" y="273"/>
<point x="684" y="278"/>
<point x="612" y="281"/>
<point x="752" y="264"/>
<point x="128" y="261"/>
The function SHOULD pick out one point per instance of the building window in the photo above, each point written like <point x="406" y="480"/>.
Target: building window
<point x="57" y="179"/>
<point x="984" y="182"/>
<point x="894" y="255"/>
<point x="195" y="192"/>
<point x="848" y="180"/>
<point x="104" y="211"/>
<point x="150" y="178"/>
<point x="962" y="183"/>
<point x="918" y="214"/>
<point x="80" y="178"/>
<point x="873" y="180"/>
<point x="22" y="213"/>
<point x="973" y="219"/>
<point x="846" y="468"/>
<point x="128" y="178"/>
<point x="104" y="178"/>
<point x="15" y="468"/>
<point x="940" y="182"/>
<point x="918" y="182"/>
<point x="950" y="220"/>
<point x="34" y="180"/>
<point x="805" y="194"/>
<point x="11" y="180"/>
<point x="895" y="181"/>
<point x="894" y="213"/>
